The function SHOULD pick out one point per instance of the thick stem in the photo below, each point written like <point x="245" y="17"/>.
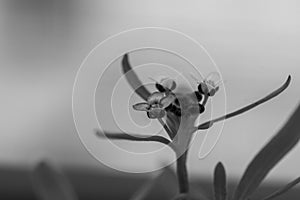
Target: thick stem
<point x="182" y="174"/>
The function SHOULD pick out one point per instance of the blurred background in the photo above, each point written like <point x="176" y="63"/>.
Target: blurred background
<point x="43" y="43"/>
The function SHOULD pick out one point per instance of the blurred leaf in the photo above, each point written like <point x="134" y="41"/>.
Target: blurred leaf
<point x="197" y="193"/>
<point x="220" y="182"/>
<point x="133" y="79"/>
<point x="49" y="183"/>
<point x="283" y="189"/>
<point x="194" y="194"/>
<point x="164" y="185"/>
<point x="269" y="156"/>
<point x="181" y="197"/>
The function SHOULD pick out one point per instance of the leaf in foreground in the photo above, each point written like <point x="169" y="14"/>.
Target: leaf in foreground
<point x="283" y="190"/>
<point x="269" y="156"/>
<point x="220" y="182"/>
<point x="49" y="183"/>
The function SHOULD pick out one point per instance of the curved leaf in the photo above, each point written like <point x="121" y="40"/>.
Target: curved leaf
<point x="283" y="189"/>
<point x="133" y="79"/>
<point x="269" y="156"/>
<point x="208" y="124"/>
<point x="220" y="182"/>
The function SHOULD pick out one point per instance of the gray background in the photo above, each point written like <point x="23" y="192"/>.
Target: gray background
<point x="42" y="44"/>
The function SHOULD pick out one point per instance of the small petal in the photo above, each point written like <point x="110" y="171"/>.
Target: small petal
<point x="209" y="89"/>
<point x="160" y="88"/>
<point x="212" y="92"/>
<point x="166" y="101"/>
<point x="211" y="83"/>
<point x="213" y="79"/>
<point x="155" y="98"/>
<point x="168" y="83"/>
<point x="141" y="106"/>
<point x="203" y="89"/>
<point x="156" y="113"/>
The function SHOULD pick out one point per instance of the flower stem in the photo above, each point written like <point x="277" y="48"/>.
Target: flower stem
<point x="182" y="174"/>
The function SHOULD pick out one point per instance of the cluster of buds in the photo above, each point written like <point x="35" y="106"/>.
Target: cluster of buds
<point x="165" y="100"/>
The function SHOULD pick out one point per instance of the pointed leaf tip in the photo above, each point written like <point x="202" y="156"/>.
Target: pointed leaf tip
<point x="220" y="182"/>
<point x="244" y="109"/>
<point x="133" y="79"/>
<point x="288" y="80"/>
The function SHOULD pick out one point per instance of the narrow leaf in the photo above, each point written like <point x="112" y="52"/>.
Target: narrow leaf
<point x="49" y="183"/>
<point x="133" y="137"/>
<point x="220" y="182"/>
<point x="208" y="124"/>
<point x="133" y="79"/>
<point x="269" y="156"/>
<point x="283" y="189"/>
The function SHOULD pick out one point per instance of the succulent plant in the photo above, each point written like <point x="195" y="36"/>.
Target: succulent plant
<point x="177" y="113"/>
